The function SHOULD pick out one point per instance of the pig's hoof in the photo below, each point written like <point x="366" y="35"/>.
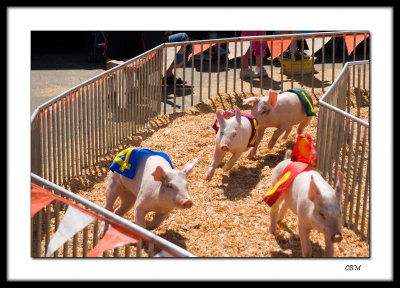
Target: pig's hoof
<point x="225" y="169"/>
<point x="251" y="155"/>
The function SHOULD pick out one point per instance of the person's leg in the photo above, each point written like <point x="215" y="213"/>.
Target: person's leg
<point x="296" y="50"/>
<point x="260" y="53"/>
<point x="287" y="54"/>
<point x="245" y="62"/>
<point x="178" y="37"/>
<point x="245" y="69"/>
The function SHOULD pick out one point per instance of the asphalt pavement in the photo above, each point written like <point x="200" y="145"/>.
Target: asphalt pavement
<point x="56" y="71"/>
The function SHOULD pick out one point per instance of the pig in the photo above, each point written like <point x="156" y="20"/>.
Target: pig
<point x="233" y="136"/>
<point x="155" y="187"/>
<point x="281" y="112"/>
<point x="316" y="204"/>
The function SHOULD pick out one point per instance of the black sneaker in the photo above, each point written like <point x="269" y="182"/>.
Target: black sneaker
<point x="286" y="55"/>
<point x="298" y="53"/>
<point x="170" y="80"/>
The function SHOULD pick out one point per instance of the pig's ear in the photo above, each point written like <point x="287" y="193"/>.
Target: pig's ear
<point x="158" y="173"/>
<point x="273" y="97"/>
<point x="187" y="169"/>
<point x="238" y="114"/>
<point x="220" y="117"/>
<point x="339" y="185"/>
<point x="251" y="100"/>
<point x="313" y="192"/>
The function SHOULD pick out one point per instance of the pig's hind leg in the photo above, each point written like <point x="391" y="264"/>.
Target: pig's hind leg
<point x="275" y="210"/>
<point x="278" y="132"/>
<point x="127" y="201"/>
<point x="282" y="210"/>
<point x="113" y="190"/>
<point x="303" y="125"/>
<point x="286" y="135"/>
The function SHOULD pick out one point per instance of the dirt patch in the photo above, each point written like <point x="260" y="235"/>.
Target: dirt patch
<point x="229" y="218"/>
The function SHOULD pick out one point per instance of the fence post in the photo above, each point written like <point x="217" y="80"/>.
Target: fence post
<point x="36" y="155"/>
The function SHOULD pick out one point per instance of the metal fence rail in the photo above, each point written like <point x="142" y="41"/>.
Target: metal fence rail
<point x="75" y="129"/>
<point x="343" y="145"/>
<point x="79" y="127"/>
<point x="217" y="73"/>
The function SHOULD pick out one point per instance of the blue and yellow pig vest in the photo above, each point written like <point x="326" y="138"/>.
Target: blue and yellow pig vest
<point x="126" y="161"/>
<point x="305" y="99"/>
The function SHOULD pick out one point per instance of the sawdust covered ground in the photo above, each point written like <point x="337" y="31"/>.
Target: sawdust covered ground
<point x="229" y="218"/>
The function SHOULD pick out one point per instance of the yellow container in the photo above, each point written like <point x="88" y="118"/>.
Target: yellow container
<point x="286" y="66"/>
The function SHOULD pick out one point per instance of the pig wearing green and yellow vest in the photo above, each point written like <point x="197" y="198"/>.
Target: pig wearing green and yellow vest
<point x="280" y="110"/>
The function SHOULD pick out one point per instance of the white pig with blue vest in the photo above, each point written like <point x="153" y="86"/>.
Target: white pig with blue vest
<point x="280" y="110"/>
<point x="147" y="181"/>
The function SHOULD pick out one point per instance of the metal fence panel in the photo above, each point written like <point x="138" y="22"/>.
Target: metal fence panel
<point x="343" y="145"/>
<point x="46" y="221"/>
<point x="82" y="125"/>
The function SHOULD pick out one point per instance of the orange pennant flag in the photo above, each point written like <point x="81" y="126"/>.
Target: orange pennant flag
<point x="113" y="237"/>
<point x="197" y="49"/>
<point x="350" y="41"/>
<point x="276" y="47"/>
<point x="40" y="198"/>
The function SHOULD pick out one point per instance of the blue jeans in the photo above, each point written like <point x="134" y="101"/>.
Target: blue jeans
<point x="178" y="37"/>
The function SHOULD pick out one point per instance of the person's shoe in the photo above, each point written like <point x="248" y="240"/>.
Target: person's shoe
<point x="262" y="73"/>
<point x="297" y="55"/>
<point x="170" y="80"/>
<point x="306" y="55"/>
<point x="286" y="55"/>
<point x="179" y="81"/>
<point x="206" y="56"/>
<point x="246" y="73"/>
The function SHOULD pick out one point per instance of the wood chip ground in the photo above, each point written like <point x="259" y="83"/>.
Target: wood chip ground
<point x="229" y="218"/>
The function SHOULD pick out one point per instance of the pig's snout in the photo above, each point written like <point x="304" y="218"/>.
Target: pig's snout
<point x="187" y="204"/>
<point x="224" y="147"/>
<point x="336" y="238"/>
